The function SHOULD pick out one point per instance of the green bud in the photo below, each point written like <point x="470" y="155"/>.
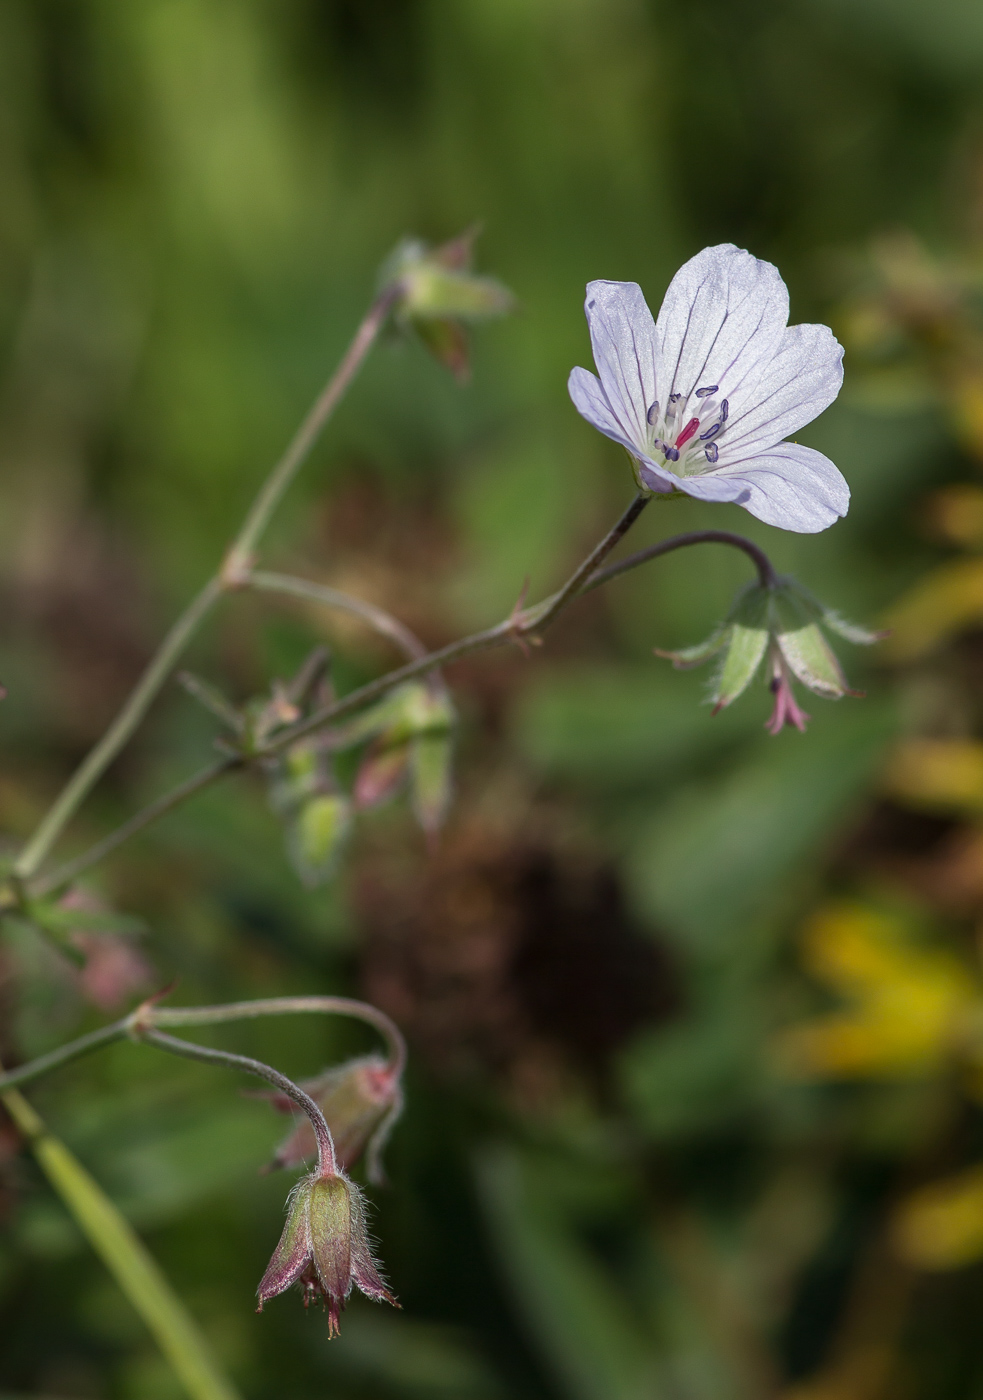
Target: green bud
<point x="414" y="734"/>
<point x="316" y="837"/>
<point x="316" y="815"/>
<point x="784" y="623"/>
<point x="439" y="292"/>
<point x="431" y="759"/>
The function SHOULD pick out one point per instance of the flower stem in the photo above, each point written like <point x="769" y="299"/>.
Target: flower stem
<point x="598" y="554"/>
<point x="384" y="623"/>
<point x="766" y="572"/>
<point x="151" y="1016"/>
<point x="126" y="1257"/>
<point x="327" y="1164"/>
<point x="237" y="563"/>
<point x="99" y="758"/>
<point x="531" y="620"/>
<point x="238" y="559"/>
<point x="66" y="873"/>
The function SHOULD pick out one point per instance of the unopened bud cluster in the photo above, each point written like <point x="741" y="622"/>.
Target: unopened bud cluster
<point x="780" y="625"/>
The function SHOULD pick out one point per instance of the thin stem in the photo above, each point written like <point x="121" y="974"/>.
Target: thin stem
<point x="384" y="623"/>
<point x="766" y="572"/>
<point x="70" y="871"/>
<point x="150" y="1016"/>
<point x="239" y="557"/>
<point x="95" y="1040"/>
<point x="275" y="1006"/>
<point x="598" y="554"/>
<point x="531" y="620"/>
<point x="327" y="1164"/>
<point x="99" y="758"/>
<point x="236" y="564"/>
<point x="126" y="1257"/>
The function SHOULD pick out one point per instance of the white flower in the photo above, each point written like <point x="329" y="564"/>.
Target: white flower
<point x="703" y="397"/>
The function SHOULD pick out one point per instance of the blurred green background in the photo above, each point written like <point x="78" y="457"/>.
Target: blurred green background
<point x="695" y="1103"/>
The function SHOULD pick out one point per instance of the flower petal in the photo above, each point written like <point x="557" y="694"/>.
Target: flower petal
<point x="802" y="379"/>
<point x="723" y="315"/>
<point x="623" y="339"/>
<point x="791" y="487"/>
<point x="592" y="403"/>
<point x="293" y="1253"/>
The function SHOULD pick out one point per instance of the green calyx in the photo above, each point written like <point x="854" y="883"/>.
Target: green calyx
<point x="783" y="622"/>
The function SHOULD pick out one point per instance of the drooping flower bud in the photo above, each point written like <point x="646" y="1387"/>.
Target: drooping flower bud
<point x="440" y="294"/>
<point x="325" y="1248"/>
<point x="782" y="625"/>
<point x="361" y="1101"/>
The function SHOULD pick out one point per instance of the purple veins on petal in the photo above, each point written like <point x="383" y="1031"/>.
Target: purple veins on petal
<point x="712" y="452"/>
<point x="653" y="412"/>
<point x="705" y="393"/>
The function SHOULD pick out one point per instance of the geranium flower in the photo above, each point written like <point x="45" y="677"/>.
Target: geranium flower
<point x="703" y="398"/>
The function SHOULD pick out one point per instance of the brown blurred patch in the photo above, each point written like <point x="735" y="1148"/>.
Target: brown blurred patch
<point x="508" y="950"/>
<point x="81" y="601"/>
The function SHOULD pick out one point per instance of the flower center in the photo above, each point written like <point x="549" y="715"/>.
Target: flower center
<point x="688" y="444"/>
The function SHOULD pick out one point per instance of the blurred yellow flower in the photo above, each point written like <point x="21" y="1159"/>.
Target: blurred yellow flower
<point x="944" y="774"/>
<point x="909" y="1007"/>
<point x="940" y="605"/>
<point x="941" y="1226"/>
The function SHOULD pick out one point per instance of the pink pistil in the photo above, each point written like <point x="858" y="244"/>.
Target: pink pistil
<point x="687" y="432"/>
<point x="786" y="711"/>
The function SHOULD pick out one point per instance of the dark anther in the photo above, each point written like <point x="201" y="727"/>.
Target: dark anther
<point x="712" y="453"/>
<point x="674" y="398"/>
<point x="653" y="412"/>
<point x="705" y="393"/>
<point x="711" y="432"/>
<point x="672" y="454"/>
<point x="724" y="410"/>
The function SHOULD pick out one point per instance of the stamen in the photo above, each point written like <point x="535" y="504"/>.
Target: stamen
<point x="724" y="410"/>
<point x="711" y="432"/>
<point x="687" y="432"/>
<point x="711" y="451"/>
<point x="653" y="412"/>
<point x="705" y="393"/>
<point x="674" y="398"/>
<point x="672" y="454"/>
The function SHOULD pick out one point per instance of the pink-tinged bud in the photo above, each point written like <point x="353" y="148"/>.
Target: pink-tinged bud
<point x="780" y="624"/>
<point x="785" y="710"/>
<point x="381" y="774"/>
<point x="361" y="1101"/>
<point x="325" y="1248"/>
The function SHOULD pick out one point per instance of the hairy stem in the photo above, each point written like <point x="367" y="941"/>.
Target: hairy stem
<point x="70" y="871"/>
<point x="276" y="1006"/>
<point x="531" y="620"/>
<point x="327" y="1164"/>
<point x="231" y="575"/>
<point x="151" y="1016"/>
<point x="99" y="758"/>
<point x="763" y="564"/>
<point x="238" y="559"/>
<point x="384" y="623"/>
<point x="598" y="554"/>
